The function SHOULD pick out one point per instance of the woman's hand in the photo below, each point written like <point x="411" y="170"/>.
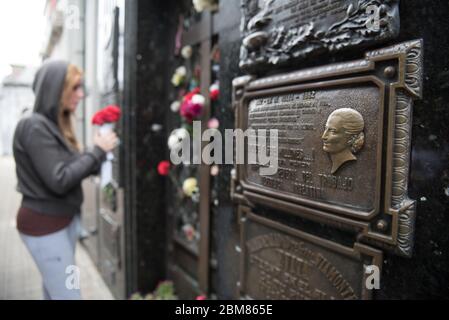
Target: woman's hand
<point x="107" y="142"/>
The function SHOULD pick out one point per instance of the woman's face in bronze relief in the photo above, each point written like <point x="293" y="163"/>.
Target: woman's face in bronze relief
<point x="335" y="139"/>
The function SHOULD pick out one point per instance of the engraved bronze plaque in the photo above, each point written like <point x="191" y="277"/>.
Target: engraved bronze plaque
<point x="278" y="262"/>
<point x="305" y="169"/>
<point x="279" y="31"/>
<point x="343" y="143"/>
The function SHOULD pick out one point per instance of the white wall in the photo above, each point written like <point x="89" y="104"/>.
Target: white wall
<point x="13" y="101"/>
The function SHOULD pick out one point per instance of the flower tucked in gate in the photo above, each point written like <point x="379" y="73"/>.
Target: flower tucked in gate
<point x="163" y="168"/>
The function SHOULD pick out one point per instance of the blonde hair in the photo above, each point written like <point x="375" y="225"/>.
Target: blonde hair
<point x="65" y="123"/>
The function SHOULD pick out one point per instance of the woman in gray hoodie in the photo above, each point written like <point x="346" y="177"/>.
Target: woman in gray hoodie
<point x="50" y="169"/>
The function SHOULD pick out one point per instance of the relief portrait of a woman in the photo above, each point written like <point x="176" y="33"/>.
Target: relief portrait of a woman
<point x="343" y="136"/>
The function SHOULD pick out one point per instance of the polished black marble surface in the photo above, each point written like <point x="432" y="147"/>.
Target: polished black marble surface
<point x="426" y="274"/>
<point x="152" y="62"/>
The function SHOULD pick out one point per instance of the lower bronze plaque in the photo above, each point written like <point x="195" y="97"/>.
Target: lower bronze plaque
<point x="282" y="263"/>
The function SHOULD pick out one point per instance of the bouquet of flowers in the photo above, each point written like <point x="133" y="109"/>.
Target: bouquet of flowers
<point x="108" y="115"/>
<point x="106" y="119"/>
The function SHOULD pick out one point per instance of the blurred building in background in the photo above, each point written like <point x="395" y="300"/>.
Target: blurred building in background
<point x="16" y="98"/>
<point x="65" y="39"/>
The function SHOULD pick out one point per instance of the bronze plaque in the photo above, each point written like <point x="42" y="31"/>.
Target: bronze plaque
<point x="280" y="263"/>
<point x="278" y="31"/>
<point x="343" y="147"/>
<point x="314" y="163"/>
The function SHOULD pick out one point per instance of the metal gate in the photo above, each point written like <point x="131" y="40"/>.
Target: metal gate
<point x="104" y="205"/>
<point x="189" y="217"/>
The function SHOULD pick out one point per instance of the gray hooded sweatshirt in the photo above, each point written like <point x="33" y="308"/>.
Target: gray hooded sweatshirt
<point x="49" y="170"/>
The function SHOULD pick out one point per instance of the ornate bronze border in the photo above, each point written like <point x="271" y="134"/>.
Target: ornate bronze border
<point x="358" y="252"/>
<point x="393" y="228"/>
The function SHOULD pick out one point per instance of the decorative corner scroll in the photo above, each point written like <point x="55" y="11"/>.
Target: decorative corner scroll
<point x="279" y="32"/>
<point x="411" y="53"/>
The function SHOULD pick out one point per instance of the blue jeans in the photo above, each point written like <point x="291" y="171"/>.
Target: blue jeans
<point x="54" y="255"/>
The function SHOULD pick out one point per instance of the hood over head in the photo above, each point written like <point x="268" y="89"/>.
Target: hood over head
<point x="47" y="86"/>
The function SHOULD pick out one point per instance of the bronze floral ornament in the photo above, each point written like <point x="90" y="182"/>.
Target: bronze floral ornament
<point x="343" y="136"/>
<point x="276" y="34"/>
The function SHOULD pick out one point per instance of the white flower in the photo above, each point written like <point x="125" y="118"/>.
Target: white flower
<point x="214" y="170"/>
<point x="175" y="106"/>
<point x="156" y="127"/>
<point x="181" y="71"/>
<point x="190" y="186"/>
<point x="186" y="52"/>
<point x="198" y="99"/>
<point x="179" y="76"/>
<point x="214" y="87"/>
<point x="189" y="232"/>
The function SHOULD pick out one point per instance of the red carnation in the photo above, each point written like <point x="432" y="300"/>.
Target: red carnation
<point x="214" y="95"/>
<point x="214" y="91"/>
<point x="109" y="114"/>
<point x="163" y="168"/>
<point x="97" y="119"/>
<point x="190" y="110"/>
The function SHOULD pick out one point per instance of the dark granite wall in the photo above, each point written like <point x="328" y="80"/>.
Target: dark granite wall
<point x="426" y="274"/>
<point x="225" y="214"/>
<point x="149" y="48"/>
